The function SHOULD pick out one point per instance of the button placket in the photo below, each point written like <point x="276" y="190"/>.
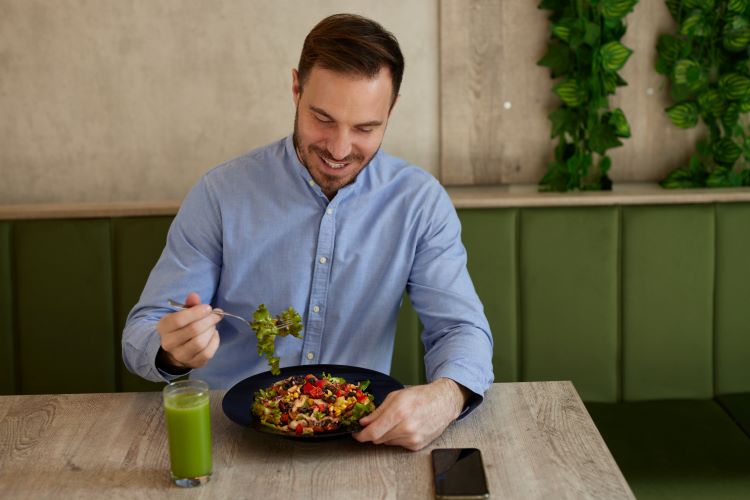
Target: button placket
<point x="320" y="283"/>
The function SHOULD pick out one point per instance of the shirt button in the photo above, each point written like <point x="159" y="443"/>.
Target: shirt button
<point x="311" y="182"/>
<point x="316" y="309"/>
<point x="310" y="355"/>
<point x="323" y="260"/>
<point x="329" y="211"/>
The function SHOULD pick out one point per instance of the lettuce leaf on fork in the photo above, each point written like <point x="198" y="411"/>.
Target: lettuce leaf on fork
<point x="266" y="329"/>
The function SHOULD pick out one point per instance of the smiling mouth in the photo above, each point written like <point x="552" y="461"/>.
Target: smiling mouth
<point x="334" y="165"/>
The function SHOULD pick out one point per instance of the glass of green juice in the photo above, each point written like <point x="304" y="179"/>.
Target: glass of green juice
<point x="186" y="408"/>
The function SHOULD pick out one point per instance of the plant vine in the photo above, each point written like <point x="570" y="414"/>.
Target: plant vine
<point x="707" y="63"/>
<point x="585" y="52"/>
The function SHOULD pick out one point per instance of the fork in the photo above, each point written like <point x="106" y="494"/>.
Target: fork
<point x="220" y="312"/>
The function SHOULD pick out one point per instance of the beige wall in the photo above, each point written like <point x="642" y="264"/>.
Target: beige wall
<point x="126" y="100"/>
<point x="131" y="100"/>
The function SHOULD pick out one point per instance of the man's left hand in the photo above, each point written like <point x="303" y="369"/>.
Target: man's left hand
<point x="414" y="416"/>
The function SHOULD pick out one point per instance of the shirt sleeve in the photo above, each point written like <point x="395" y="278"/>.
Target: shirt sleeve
<point x="457" y="339"/>
<point x="190" y="262"/>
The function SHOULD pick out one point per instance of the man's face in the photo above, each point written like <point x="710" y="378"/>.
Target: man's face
<point x="339" y="124"/>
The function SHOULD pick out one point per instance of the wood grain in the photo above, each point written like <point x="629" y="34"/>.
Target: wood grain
<point x="488" y="55"/>
<point x="536" y="438"/>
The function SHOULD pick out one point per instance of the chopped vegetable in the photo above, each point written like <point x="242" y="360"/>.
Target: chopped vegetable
<point x="267" y="328"/>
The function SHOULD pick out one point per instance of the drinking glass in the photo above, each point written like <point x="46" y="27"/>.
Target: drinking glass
<point x="186" y="408"/>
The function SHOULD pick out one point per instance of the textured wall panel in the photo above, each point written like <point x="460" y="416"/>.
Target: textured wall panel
<point x="732" y="334"/>
<point x="138" y="243"/>
<point x="569" y="298"/>
<point x="64" y="302"/>
<point x="668" y="293"/>
<point x="7" y="344"/>
<point x="490" y="240"/>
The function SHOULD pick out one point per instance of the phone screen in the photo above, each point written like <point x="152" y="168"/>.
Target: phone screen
<point x="459" y="473"/>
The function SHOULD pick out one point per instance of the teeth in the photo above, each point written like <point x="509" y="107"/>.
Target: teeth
<point x="334" y="165"/>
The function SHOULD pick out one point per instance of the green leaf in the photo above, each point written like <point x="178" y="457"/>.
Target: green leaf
<point x="736" y="35"/>
<point x="719" y="177"/>
<point x="726" y="151"/>
<point x="672" y="49"/>
<point x="734" y="86"/>
<point x="712" y="102"/>
<point x="560" y="119"/>
<point x="614" y="55"/>
<point x="591" y="34"/>
<point x="675" y="8"/>
<point x="619" y="122"/>
<point x="684" y="115"/>
<point x="558" y="59"/>
<point x="603" y="137"/>
<point x="570" y="92"/>
<point x="705" y="5"/>
<point x="744" y="105"/>
<point x="561" y="31"/>
<point x="617" y="8"/>
<point x="731" y="116"/>
<point x="605" y="163"/>
<point x="696" y="25"/>
<point x="737" y="6"/>
<point x="611" y="81"/>
<point x="690" y="74"/>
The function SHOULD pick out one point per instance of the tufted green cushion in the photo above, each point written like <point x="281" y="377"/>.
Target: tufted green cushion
<point x="138" y="243"/>
<point x="676" y="449"/>
<point x="407" y="364"/>
<point x="569" y="298"/>
<point x="668" y="283"/>
<point x="490" y="240"/>
<point x="65" y="324"/>
<point x="7" y="344"/>
<point x="732" y="314"/>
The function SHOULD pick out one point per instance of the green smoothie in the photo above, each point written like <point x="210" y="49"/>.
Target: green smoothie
<point x="189" y="430"/>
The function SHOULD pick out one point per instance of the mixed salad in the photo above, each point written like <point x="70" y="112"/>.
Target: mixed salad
<point x="306" y="405"/>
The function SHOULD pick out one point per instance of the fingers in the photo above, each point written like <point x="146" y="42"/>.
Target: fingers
<point x="380" y="422"/>
<point x="189" y="336"/>
<point x="204" y="356"/>
<point x="193" y="299"/>
<point x="180" y="319"/>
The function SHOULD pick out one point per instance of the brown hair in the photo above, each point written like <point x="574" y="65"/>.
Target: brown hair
<point x="351" y="44"/>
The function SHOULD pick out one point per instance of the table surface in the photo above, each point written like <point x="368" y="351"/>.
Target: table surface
<point x="537" y="441"/>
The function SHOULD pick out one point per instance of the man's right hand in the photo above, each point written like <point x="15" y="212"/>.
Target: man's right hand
<point x="189" y="338"/>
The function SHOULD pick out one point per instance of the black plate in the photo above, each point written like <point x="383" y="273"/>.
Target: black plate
<point x="239" y="399"/>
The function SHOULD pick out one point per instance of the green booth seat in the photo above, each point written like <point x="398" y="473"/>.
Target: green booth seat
<point x="676" y="449"/>
<point x="738" y="408"/>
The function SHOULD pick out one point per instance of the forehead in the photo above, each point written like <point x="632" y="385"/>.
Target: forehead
<point x="345" y="96"/>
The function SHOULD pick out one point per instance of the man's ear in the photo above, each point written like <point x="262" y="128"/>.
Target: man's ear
<point x="296" y="90"/>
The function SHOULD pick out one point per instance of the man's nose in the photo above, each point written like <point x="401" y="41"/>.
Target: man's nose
<point x="339" y="145"/>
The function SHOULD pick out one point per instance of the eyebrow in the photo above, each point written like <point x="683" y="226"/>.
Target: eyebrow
<point x="371" y="123"/>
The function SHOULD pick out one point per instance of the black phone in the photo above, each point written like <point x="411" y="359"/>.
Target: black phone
<point x="459" y="474"/>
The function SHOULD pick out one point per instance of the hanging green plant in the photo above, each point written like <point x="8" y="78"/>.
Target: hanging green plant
<point x="707" y="63"/>
<point x="585" y="52"/>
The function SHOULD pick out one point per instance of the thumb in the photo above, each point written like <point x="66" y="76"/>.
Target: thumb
<point x="193" y="299"/>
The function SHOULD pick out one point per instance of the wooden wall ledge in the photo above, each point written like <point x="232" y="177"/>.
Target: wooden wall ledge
<point x="506" y="196"/>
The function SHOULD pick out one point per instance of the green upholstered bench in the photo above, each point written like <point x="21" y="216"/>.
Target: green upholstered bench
<point x="642" y="307"/>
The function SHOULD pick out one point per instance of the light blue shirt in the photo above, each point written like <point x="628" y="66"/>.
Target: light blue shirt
<point x="257" y="229"/>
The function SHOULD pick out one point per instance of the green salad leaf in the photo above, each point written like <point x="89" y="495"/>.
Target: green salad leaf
<point x="266" y="329"/>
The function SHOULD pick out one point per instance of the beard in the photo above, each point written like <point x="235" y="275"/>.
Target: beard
<point x="329" y="184"/>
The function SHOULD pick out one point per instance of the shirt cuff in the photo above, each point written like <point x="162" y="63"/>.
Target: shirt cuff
<point x="169" y="373"/>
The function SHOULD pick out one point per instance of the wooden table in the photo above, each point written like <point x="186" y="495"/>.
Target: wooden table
<point x="537" y="441"/>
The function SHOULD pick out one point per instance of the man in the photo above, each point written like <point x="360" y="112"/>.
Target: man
<point x="325" y="222"/>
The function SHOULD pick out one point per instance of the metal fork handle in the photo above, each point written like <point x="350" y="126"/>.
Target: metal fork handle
<point x="221" y="312"/>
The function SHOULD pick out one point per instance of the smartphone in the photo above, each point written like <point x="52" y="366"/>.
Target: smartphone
<point x="459" y="474"/>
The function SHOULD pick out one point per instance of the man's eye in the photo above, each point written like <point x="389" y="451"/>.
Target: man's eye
<point x="323" y="120"/>
<point x="366" y="130"/>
